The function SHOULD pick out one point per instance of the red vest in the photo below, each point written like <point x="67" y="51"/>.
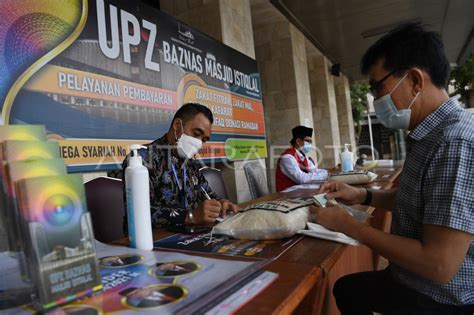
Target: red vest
<point x="283" y="181"/>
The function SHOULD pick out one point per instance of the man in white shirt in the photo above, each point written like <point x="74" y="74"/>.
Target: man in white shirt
<point x="294" y="166"/>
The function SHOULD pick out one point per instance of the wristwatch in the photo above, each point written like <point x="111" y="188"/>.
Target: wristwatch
<point x="368" y="197"/>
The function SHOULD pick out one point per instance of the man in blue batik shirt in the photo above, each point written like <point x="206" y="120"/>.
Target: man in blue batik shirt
<point x="430" y="247"/>
<point x="176" y="185"/>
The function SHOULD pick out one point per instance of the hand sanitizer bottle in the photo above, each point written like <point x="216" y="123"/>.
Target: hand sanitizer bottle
<point x="138" y="201"/>
<point x="346" y="159"/>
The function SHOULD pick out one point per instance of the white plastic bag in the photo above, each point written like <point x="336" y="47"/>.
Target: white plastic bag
<point x="267" y="220"/>
<point x="354" y="178"/>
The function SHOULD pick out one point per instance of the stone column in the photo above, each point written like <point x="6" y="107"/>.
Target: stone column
<point x="237" y="33"/>
<point x="324" y="107"/>
<point x="281" y="56"/>
<point x="344" y="111"/>
<point x="228" y="21"/>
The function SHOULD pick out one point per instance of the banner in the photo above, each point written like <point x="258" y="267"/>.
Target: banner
<point x="103" y="74"/>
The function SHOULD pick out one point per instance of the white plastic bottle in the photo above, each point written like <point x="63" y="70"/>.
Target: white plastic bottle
<point x="347" y="159"/>
<point x="138" y="201"/>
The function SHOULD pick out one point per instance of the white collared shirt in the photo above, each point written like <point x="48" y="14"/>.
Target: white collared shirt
<point x="291" y="169"/>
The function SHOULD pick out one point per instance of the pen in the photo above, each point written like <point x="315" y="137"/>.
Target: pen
<point x="219" y="219"/>
<point x="205" y="193"/>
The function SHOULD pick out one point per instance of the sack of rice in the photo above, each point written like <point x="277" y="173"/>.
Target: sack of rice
<point x="267" y="220"/>
<point x="354" y="178"/>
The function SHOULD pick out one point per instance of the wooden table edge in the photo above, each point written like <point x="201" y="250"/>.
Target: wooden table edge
<point x="288" y="305"/>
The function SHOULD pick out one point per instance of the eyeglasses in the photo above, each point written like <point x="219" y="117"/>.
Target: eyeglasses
<point x="375" y="86"/>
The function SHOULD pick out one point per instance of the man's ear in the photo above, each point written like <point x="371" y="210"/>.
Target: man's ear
<point x="299" y="142"/>
<point x="418" y="79"/>
<point x="177" y="124"/>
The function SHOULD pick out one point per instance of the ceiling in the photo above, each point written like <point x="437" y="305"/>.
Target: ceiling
<point x="343" y="30"/>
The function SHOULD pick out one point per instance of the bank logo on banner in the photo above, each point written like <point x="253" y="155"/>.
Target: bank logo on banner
<point x="185" y="34"/>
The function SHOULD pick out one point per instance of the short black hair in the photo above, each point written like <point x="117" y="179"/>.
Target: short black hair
<point x="189" y="110"/>
<point x="410" y="45"/>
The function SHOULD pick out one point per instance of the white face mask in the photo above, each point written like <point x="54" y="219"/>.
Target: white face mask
<point x="187" y="146"/>
<point x="388" y="114"/>
<point x="307" y="147"/>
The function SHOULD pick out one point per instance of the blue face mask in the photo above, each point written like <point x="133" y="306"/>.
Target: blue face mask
<point x="307" y="147"/>
<point x="389" y="115"/>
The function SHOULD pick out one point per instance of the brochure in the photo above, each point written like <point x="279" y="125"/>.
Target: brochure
<point x="14" y="132"/>
<point x="60" y="251"/>
<point x="228" y="246"/>
<point x="15" y="171"/>
<point x="135" y="281"/>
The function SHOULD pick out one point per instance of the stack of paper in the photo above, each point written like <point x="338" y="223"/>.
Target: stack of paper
<point x="302" y="186"/>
